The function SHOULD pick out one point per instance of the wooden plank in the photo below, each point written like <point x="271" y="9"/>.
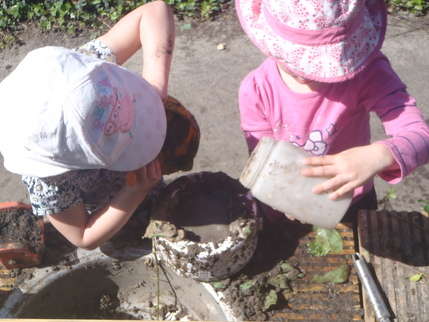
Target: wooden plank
<point x="396" y="245"/>
<point x="7" y="280"/>
<point x="314" y="317"/>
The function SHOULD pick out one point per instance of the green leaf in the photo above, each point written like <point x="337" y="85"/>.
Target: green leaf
<point x="416" y="277"/>
<point x="247" y="285"/>
<point x="286" y="267"/>
<point x="270" y="300"/>
<point x="219" y="285"/>
<point x="336" y="276"/>
<point x="14" y="11"/>
<point x="391" y="194"/>
<point x="279" y="281"/>
<point x="326" y="241"/>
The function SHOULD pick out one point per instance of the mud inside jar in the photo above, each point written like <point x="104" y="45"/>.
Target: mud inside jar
<point x="204" y="205"/>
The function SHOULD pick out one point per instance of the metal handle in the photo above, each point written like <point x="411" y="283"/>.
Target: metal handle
<point x="382" y="312"/>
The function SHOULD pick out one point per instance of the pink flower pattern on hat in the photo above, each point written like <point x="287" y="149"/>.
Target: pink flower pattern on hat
<point x="322" y="40"/>
<point x="121" y="116"/>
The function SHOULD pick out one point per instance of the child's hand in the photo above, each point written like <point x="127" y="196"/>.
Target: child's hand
<point x="349" y="169"/>
<point x="146" y="177"/>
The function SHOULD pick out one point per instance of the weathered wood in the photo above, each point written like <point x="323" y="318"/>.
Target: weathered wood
<point x="313" y="301"/>
<point x="396" y="245"/>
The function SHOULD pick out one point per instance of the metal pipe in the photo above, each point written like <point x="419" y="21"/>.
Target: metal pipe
<point x="381" y="310"/>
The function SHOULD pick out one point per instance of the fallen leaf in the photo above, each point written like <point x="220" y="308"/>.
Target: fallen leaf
<point x="279" y="281"/>
<point x="247" y="285"/>
<point x="270" y="300"/>
<point x="391" y="194"/>
<point x="326" y="241"/>
<point x="219" y="285"/>
<point x="336" y="276"/>
<point x="416" y="277"/>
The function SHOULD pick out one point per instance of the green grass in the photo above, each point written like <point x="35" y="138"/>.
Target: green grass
<point x="73" y="16"/>
<point x="416" y="7"/>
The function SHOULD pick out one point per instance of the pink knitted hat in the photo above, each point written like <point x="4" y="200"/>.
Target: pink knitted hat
<point x="321" y="40"/>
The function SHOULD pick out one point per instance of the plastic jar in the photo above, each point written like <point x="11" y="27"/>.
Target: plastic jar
<point x="272" y="173"/>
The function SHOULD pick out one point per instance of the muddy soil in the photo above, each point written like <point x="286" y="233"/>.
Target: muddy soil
<point x="20" y="225"/>
<point x="271" y="283"/>
<point x="203" y="205"/>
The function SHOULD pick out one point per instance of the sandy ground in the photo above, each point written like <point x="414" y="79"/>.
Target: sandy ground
<point x="206" y="80"/>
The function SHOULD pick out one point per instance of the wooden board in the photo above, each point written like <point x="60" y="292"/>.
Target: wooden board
<point x="325" y="302"/>
<point x="396" y="245"/>
<point x="7" y="280"/>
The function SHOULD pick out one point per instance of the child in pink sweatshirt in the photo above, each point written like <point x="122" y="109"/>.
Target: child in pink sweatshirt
<point x="323" y="75"/>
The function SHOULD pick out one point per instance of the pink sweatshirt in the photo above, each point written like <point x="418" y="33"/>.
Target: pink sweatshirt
<point x="336" y="117"/>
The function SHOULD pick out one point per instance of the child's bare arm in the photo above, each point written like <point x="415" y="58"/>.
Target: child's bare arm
<point x="150" y="26"/>
<point x="90" y="232"/>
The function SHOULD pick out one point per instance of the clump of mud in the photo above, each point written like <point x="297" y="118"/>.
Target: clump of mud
<point x="109" y="307"/>
<point x="22" y="226"/>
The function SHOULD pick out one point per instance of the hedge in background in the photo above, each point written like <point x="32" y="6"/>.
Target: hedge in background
<point x="74" y="16"/>
<point x="417" y="7"/>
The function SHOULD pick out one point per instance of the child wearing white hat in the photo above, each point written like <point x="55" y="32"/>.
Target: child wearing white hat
<point x="73" y="123"/>
<point x="323" y="75"/>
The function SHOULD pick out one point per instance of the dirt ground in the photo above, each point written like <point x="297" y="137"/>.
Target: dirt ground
<point x="206" y="80"/>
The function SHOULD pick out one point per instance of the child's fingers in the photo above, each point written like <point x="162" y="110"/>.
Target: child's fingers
<point x="319" y="171"/>
<point x="331" y="184"/>
<point x="321" y="160"/>
<point x="343" y="190"/>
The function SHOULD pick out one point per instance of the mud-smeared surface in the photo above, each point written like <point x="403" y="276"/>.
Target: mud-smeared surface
<point x="207" y="225"/>
<point x="276" y="285"/>
<point x="20" y="225"/>
<point x="203" y="204"/>
<point x="110" y="289"/>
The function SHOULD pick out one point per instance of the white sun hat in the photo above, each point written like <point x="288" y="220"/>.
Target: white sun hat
<point x="62" y="110"/>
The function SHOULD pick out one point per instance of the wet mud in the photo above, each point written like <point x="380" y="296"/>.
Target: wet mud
<point x="276" y="284"/>
<point x="208" y="226"/>
<point x="113" y="289"/>
<point x="203" y="205"/>
<point x="21" y="226"/>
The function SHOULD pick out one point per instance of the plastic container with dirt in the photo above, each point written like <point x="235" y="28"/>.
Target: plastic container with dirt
<point x="21" y="236"/>
<point x="204" y="226"/>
